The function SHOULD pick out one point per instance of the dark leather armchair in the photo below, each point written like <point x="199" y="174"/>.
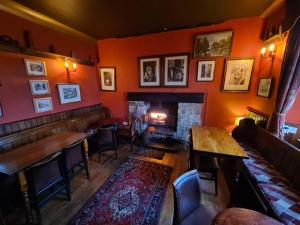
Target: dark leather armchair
<point x="128" y="133"/>
<point x="105" y="140"/>
<point x="74" y="156"/>
<point x="188" y="209"/>
<point x="46" y="179"/>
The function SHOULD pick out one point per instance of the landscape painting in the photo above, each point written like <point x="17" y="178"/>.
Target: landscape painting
<point x="213" y="44"/>
<point x="69" y="93"/>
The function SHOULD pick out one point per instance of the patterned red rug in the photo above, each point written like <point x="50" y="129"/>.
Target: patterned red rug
<point x="132" y="195"/>
<point x="150" y="153"/>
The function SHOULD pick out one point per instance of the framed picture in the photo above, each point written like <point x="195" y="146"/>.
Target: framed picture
<point x="39" y="87"/>
<point x="206" y="70"/>
<point x="237" y="75"/>
<point x="42" y="105"/>
<point x="69" y="93"/>
<point x="176" y="71"/>
<point x="35" y="67"/>
<point x="149" y="72"/>
<point x="108" y="78"/>
<point x="1" y="112"/>
<point x="265" y="87"/>
<point x="216" y="44"/>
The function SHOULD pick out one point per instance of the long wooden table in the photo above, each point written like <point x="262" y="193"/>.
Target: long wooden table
<point x="17" y="160"/>
<point x="217" y="142"/>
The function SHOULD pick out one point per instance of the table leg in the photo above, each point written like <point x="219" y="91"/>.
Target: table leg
<point x="24" y="189"/>
<point x="86" y="158"/>
<point x="86" y="149"/>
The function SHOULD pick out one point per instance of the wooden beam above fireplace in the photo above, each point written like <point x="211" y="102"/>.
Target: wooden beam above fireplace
<point x="166" y="97"/>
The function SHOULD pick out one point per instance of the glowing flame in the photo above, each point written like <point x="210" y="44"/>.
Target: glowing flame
<point x="158" y="116"/>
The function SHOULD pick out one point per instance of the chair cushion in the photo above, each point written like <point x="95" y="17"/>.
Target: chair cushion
<point x="200" y="215"/>
<point x="285" y="200"/>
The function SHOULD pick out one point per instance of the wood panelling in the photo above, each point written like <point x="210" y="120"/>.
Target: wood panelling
<point x="27" y="131"/>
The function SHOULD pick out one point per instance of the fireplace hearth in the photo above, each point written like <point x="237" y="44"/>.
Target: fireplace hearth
<point x="171" y="114"/>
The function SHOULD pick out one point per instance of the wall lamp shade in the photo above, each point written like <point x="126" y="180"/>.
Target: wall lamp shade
<point x="70" y="67"/>
<point x="237" y="120"/>
<point x="271" y="49"/>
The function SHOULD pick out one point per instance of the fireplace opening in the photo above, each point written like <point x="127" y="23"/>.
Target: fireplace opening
<point x="163" y="115"/>
<point x="158" y="118"/>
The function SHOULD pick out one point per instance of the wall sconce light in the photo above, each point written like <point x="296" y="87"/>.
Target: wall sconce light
<point x="70" y="67"/>
<point x="271" y="49"/>
<point x="237" y="120"/>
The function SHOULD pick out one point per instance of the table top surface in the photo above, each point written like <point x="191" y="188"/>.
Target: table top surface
<point x="20" y="158"/>
<point x="216" y="141"/>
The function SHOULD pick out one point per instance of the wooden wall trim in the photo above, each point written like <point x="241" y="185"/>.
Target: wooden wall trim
<point x="19" y="10"/>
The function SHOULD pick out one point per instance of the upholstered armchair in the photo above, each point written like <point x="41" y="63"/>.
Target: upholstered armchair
<point x="187" y="201"/>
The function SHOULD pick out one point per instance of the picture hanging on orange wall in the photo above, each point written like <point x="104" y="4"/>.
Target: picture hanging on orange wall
<point x="237" y="75"/>
<point x="35" y="67"/>
<point x="265" y="87"/>
<point x="206" y="70"/>
<point x="217" y="44"/>
<point x="108" y="78"/>
<point x="149" y="72"/>
<point x="176" y="71"/>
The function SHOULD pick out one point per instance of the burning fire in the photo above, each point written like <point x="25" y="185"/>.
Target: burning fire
<point x="158" y="116"/>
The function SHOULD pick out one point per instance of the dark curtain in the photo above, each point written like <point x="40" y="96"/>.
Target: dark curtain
<point x="289" y="81"/>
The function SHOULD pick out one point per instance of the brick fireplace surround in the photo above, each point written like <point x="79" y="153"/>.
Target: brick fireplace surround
<point x="188" y="111"/>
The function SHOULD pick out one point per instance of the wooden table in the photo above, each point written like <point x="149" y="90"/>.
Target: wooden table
<point x="17" y="160"/>
<point x="217" y="142"/>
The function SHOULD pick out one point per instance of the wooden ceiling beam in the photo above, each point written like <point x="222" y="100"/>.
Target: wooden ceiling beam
<point x="24" y="12"/>
<point x="273" y="7"/>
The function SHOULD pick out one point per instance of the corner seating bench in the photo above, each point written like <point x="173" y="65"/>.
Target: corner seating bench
<point x="273" y="169"/>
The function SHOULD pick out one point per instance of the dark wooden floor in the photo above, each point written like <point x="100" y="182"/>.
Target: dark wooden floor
<point x="59" y="212"/>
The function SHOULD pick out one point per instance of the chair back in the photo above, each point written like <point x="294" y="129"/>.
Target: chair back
<point x="73" y="154"/>
<point x="45" y="173"/>
<point x="132" y="127"/>
<point x="187" y="195"/>
<point x="106" y="136"/>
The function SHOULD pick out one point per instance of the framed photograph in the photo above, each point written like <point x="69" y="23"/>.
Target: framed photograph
<point x="237" y="75"/>
<point x="35" y="67"/>
<point x="42" y="105"/>
<point x="108" y="78"/>
<point x="69" y="93"/>
<point x="265" y="87"/>
<point x="1" y="112"/>
<point x="149" y="72"/>
<point x="216" y="44"/>
<point x="206" y="70"/>
<point x="176" y="71"/>
<point x="39" y="87"/>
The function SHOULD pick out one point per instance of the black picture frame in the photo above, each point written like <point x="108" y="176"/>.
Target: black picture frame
<point x="156" y="80"/>
<point x="112" y="83"/>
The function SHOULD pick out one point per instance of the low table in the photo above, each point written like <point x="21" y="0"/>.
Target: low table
<point x="237" y="216"/>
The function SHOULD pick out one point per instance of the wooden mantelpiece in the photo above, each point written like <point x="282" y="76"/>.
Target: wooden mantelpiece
<point x="42" y="54"/>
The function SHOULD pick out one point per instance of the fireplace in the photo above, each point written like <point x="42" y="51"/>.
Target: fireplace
<point x="172" y="114"/>
<point x="162" y="115"/>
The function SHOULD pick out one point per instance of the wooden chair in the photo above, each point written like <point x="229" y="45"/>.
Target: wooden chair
<point x="47" y="179"/>
<point x="128" y="133"/>
<point x="204" y="164"/>
<point x="187" y="201"/>
<point x="105" y="140"/>
<point x="74" y="156"/>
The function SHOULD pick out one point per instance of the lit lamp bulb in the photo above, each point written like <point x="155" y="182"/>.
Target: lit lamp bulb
<point x="272" y="50"/>
<point x="263" y="52"/>
<point x="74" y="67"/>
<point x="67" y="64"/>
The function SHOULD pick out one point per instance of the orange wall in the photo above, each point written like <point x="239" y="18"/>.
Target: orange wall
<point x="15" y="96"/>
<point x="222" y="107"/>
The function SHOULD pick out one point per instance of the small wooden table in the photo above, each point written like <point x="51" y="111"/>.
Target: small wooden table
<point x="216" y="142"/>
<point x="17" y="160"/>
